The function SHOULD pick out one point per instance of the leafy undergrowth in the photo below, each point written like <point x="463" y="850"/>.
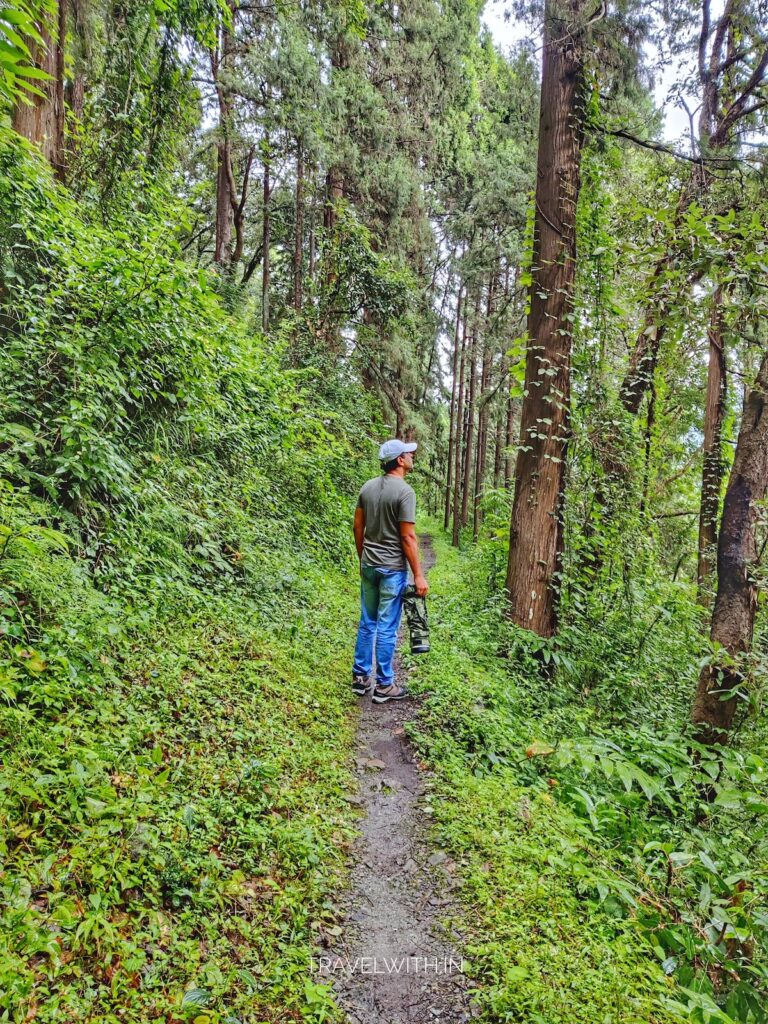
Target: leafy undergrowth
<point x="173" y="812"/>
<point x="174" y="623"/>
<point x="595" y="895"/>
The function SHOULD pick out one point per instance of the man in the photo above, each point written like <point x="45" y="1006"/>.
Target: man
<point x="386" y="542"/>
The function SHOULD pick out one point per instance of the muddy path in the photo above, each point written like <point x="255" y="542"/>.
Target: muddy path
<point x="397" y="960"/>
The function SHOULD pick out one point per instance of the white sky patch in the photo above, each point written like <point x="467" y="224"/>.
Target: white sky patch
<point x="668" y="74"/>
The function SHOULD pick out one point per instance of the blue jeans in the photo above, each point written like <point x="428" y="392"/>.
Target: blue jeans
<point x="381" y="605"/>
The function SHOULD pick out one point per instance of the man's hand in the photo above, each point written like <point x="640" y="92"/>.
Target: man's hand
<point x="411" y="552"/>
<point x="422" y="587"/>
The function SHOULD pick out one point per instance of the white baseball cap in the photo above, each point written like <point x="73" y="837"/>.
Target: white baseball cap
<point x="394" y="449"/>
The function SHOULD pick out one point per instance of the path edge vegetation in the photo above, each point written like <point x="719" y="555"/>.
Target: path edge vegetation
<point x="586" y="888"/>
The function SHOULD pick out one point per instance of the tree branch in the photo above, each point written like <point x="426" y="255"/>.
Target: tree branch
<point x="658" y="147"/>
<point x="239" y="207"/>
<point x="739" y="105"/>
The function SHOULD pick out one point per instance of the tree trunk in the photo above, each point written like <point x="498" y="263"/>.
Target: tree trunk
<point x="642" y="363"/>
<point x="452" y="423"/>
<point x="536" y="525"/>
<point x="40" y="119"/>
<point x="713" y="466"/>
<point x="266" y="240"/>
<point x="458" y="434"/>
<point x="334" y="190"/>
<point x="482" y="418"/>
<point x="238" y="213"/>
<point x="312" y="246"/>
<point x="510" y="406"/>
<point x="58" y="156"/>
<point x="509" y="460"/>
<point x="469" y="446"/>
<point x="225" y="190"/>
<point x="498" y="448"/>
<point x="650" y="422"/>
<point x="223" y="243"/>
<point x="733" y="618"/>
<point x="334" y="179"/>
<point x="298" y="243"/>
<point x="721" y="110"/>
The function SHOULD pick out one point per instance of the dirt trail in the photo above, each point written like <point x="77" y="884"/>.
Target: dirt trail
<point x="396" y="961"/>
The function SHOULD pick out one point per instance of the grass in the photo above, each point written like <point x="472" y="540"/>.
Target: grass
<point x="175" y="816"/>
<point x="176" y="829"/>
<point x="543" y="947"/>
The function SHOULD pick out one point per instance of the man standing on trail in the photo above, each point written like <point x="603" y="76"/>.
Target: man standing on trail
<point x="386" y="540"/>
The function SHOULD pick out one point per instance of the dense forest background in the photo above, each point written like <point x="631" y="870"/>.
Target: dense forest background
<point x="241" y="243"/>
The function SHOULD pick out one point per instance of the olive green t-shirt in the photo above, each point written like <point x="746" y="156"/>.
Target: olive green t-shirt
<point x="387" y="501"/>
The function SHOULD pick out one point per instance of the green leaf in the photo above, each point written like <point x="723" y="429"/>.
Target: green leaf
<point x="195" y="997"/>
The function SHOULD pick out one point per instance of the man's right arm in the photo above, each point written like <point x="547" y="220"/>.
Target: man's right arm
<point x="410" y="547"/>
<point x="359" y="529"/>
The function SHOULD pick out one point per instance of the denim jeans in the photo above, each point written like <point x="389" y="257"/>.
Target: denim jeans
<point x="381" y="605"/>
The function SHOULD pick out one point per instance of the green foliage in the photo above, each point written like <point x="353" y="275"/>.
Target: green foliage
<point x="580" y="809"/>
<point x="175" y="499"/>
<point x="20" y="79"/>
<point x="174" y="620"/>
<point x="161" y="775"/>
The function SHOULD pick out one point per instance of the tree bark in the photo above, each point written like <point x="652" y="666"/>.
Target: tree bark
<point x="40" y="119"/>
<point x="650" y="422"/>
<point x="498" y="449"/>
<point x="452" y="421"/>
<point x="733" y="618"/>
<point x="334" y="190"/>
<point x="334" y="180"/>
<point x="536" y="525"/>
<point x="469" y="446"/>
<point x="510" y="406"/>
<point x="713" y="466"/>
<point x="312" y="243"/>
<point x="238" y="211"/>
<point x="642" y="363"/>
<point x="458" y="434"/>
<point x="266" y="240"/>
<point x="223" y="242"/>
<point x="298" y="242"/>
<point x="509" y="460"/>
<point x="58" y="156"/>
<point x="225" y="189"/>
<point x="482" y="418"/>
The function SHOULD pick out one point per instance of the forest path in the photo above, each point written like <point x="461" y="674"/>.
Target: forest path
<point x="396" y="961"/>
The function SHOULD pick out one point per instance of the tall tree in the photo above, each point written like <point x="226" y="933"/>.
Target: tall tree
<point x="713" y="465"/>
<point x="458" y="444"/>
<point x="483" y="413"/>
<point x="536" y="525"/>
<point x="733" y="618"/>
<point x="226" y="192"/>
<point x="298" y="234"/>
<point x="466" y="485"/>
<point x="732" y="63"/>
<point x="39" y="116"/>
<point x="453" y="412"/>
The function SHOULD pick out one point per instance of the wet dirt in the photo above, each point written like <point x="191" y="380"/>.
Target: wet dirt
<point x="397" y="960"/>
